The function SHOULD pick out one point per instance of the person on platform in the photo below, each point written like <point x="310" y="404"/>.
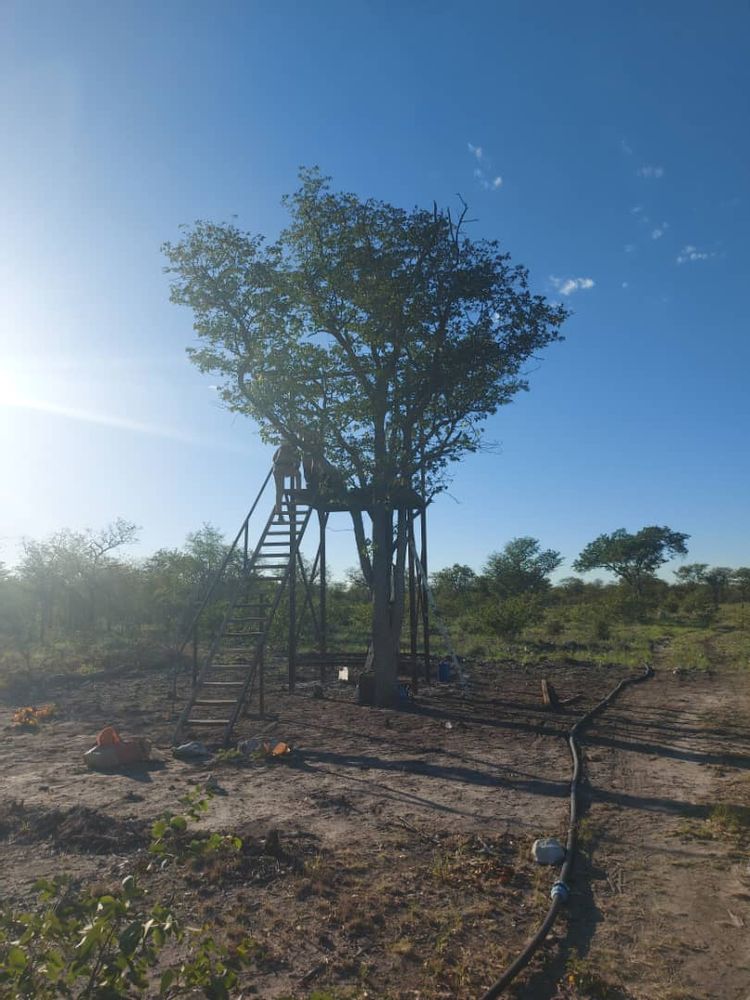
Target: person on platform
<point x="285" y="466"/>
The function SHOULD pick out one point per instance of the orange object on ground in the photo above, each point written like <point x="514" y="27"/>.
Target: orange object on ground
<point x="112" y="751"/>
<point x="108" y="737"/>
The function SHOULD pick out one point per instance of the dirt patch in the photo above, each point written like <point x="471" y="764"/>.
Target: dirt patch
<point x="389" y="855"/>
<point x="78" y="829"/>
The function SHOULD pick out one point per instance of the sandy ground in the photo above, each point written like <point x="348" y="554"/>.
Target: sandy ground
<point x="403" y="868"/>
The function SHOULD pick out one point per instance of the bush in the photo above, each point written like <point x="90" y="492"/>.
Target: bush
<point x="508" y="618"/>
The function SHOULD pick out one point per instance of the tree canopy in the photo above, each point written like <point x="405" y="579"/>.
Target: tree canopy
<point x="632" y="557"/>
<point x="378" y="337"/>
<point x="522" y="567"/>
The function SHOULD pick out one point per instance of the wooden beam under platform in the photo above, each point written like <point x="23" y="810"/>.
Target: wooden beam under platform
<point x="338" y="501"/>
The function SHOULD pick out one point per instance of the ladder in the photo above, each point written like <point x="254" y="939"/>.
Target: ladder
<point x="234" y="661"/>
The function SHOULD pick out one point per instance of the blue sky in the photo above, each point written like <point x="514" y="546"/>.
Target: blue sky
<point x="606" y="146"/>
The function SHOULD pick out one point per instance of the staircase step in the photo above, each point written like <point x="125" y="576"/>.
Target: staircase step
<point x="207" y="722"/>
<point x="215" y="701"/>
<point x="223" y="684"/>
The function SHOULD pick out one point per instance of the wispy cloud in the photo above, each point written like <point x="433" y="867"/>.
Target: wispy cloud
<point x="690" y="253"/>
<point x="636" y="209"/>
<point x="629" y="248"/>
<point x="21" y="402"/>
<point x="658" y="232"/>
<point x="648" y="170"/>
<point x="485" y="175"/>
<point x="626" y="147"/>
<point x="566" y="286"/>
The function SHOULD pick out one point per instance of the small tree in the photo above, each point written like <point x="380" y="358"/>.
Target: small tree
<point x="632" y="558"/>
<point x="378" y="337"/>
<point x="718" y="579"/>
<point x="692" y="575"/>
<point x="523" y="567"/>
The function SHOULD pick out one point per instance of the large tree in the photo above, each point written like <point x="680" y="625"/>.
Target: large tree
<point x="523" y="567"/>
<point x="634" y="558"/>
<point x="380" y="337"/>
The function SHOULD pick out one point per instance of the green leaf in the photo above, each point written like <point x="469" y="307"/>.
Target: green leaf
<point x="17" y="959"/>
<point x="167" y="978"/>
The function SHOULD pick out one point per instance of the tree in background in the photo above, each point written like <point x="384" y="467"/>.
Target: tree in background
<point x="378" y="337"/>
<point x="718" y="579"/>
<point x="691" y="575"/>
<point x="454" y="581"/>
<point x="67" y="573"/>
<point x="522" y="567"/>
<point x="634" y="558"/>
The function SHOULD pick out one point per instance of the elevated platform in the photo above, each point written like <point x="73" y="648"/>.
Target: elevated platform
<point x="333" y="502"/>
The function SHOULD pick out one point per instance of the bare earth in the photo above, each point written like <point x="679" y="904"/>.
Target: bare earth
<point x="402" y="865"/>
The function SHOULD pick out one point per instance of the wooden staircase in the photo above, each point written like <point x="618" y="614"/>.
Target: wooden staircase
<point x="233" y="664"/>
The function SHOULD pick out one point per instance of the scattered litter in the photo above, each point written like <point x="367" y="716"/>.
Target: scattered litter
<point x="445" y="671"/>
<point x="213" y="786"/>
<point x="344" y="674"/>
<point x="449" y="725"/>
<point x="191" y="751"/>
<point x="30" y="716"/>
<point x="252" y="745"/>
<point x="279" y="750"/>
<point x="405" y="693"/>
<point x="547" y="851"/>
<point x="112" y="752"/>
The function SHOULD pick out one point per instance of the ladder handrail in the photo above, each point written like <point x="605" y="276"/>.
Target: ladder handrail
<point x="216" y="641"/>
<point x="220" y="572"/>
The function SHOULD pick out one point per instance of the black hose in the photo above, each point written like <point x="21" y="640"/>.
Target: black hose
<point x="560" y="891"/>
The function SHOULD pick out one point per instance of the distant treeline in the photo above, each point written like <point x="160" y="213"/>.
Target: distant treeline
<point x="79" y="585"/>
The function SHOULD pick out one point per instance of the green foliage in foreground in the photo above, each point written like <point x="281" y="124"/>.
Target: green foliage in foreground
<point x="108" y="946"/>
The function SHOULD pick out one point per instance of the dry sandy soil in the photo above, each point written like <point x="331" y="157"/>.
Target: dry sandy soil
<point x="388" y="856"/>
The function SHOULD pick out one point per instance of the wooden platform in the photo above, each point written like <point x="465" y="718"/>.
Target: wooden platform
<point x="332" y="502"/>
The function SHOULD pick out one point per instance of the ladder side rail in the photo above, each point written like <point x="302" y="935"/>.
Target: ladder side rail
<point x="250" y="679"/>
<point x="213" y="649"/>
<point x="222" y="569"/>
<point x="210" y="656"/>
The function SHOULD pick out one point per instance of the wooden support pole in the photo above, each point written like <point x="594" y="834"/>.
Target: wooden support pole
<point x="323" y="522"/>
<point x="413" y="610"/>
<point x="292" y="512"/>
<point x="195" y="655"/>
<point x="261" y="682"/>
<point x="425" y="602"/>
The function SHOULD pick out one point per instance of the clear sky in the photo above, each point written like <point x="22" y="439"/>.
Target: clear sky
<point x="605" y="145"/>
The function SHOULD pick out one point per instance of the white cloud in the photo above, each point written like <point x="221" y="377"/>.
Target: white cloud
<point x="566" y="286"/>
<point x="483" y="171"/>
<point x="656" y="234"/>
<point x="626" y="147"/>
<point x="689" y="253"/>
<point x="625" y="284"/>
<point x="636" y="209"/>
<point x="648" y="170"/>
<point x="629" y="248"/>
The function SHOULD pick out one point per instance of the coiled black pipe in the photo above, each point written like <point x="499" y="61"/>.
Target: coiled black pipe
<point x="560" y="891"/>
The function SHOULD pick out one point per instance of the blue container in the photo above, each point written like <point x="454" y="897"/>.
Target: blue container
<point x="445" y="671"/>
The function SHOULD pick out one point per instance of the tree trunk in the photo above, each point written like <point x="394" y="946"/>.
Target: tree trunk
<point x="384" y="660"/>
